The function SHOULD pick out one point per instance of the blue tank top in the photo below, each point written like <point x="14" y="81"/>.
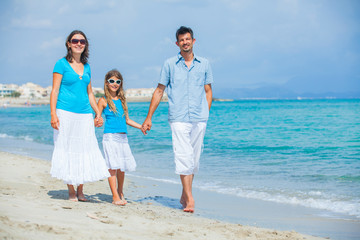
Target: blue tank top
<point x="115" y="123"/>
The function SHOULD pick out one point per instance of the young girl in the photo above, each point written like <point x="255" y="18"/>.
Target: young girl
<point x="117" y="151"/>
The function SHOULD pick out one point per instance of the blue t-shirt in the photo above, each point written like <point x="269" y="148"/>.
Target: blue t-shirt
<point x="73" y="95"/>
<point x="115" y="123"/>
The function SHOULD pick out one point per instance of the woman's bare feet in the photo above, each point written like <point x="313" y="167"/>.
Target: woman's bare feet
<point x="80" y="195"/>
<point x="72" y="197"/>
<point x="72" y="193"/>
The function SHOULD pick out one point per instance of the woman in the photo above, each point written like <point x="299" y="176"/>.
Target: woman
<point x="76" y="158"/>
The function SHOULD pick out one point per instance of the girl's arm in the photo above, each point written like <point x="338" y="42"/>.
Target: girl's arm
<point x="53" y="100"/>
<point x="132" y="123"/>
<point x="98" y="119"/>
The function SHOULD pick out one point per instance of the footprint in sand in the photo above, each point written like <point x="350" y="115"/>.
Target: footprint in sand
<point x="102" y="218"/>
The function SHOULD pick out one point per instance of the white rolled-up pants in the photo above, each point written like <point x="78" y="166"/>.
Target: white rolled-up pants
<point x="187" y="141"/>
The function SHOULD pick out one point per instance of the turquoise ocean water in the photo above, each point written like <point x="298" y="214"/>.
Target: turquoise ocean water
<point x="302" y="152"/>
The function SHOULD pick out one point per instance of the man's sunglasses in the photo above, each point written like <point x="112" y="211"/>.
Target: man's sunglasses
<point x="111" y="81"/>
<point x="76" y="41"/>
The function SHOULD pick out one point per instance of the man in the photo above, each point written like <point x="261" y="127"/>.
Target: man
<point x="188" y="80"/>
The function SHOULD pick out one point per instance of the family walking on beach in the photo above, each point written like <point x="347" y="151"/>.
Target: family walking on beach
<point x="77" y="158"/>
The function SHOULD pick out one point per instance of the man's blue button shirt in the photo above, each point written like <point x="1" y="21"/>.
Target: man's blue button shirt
<point x="185" y="88"/>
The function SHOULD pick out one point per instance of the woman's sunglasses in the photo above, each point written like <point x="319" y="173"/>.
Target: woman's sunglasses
<point x="111" y="81"/>
<point x="76" y="41"/>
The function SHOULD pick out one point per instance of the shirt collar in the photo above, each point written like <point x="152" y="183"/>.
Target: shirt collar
<point x="180" y="58"/>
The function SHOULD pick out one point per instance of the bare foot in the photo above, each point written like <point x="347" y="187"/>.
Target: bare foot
<point x="72" y="197"/>
<point x="119" y="203"/>
<point x="122" y="198"/>
<point x="190" y="206"/>
<point x="183" y="202"/>
<point x="81" y="197"/>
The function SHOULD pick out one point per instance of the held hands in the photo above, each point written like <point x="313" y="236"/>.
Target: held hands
<point x="146" y="126"/>
<point x="98" y="121"/>
<point x="55" y="122"/>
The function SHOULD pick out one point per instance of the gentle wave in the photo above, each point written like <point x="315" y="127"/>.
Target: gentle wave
<point x="26" y="138"/>
<point x="314" y="199"/>
<point x="311" y="199"/>
<point x="155" y="179"/>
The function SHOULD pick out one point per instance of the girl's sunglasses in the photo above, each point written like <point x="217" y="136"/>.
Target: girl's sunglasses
<point x="76" y="41"/>
<point x="111" y="81"/>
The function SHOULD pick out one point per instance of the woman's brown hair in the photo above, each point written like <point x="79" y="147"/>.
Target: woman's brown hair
<point x="84" y="55"/>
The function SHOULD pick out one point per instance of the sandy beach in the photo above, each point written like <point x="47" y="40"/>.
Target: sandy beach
<point x="35" y="206"/>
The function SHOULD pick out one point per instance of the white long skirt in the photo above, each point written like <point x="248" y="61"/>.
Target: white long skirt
<point x="77" y="158"/>
<point x="118" y="153"/>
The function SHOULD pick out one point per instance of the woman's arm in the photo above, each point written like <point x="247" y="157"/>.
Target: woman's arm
<point x="53" y="100"/>
<point x="98" y="119"/>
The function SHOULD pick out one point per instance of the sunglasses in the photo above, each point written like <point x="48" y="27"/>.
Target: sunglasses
<point x="111" y="81"/>
<point x="76" y="41"/>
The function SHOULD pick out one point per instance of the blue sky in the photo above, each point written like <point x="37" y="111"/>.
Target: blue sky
<point x="304" y="46"/>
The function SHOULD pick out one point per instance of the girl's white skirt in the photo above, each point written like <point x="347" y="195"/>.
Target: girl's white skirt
<point x="77" y="158"/>
<point x="118" y="153"/>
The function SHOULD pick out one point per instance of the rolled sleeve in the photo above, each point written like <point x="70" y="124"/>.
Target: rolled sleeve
<point x="165" y="74"/>
<point x="208" y="74"/>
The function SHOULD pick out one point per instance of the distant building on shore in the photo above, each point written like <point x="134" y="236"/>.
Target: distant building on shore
<point x="7" y="89"/>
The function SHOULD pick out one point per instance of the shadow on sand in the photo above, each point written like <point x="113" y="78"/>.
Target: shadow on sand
<point x="63" y="194"/>
<point x="164" y="201"/>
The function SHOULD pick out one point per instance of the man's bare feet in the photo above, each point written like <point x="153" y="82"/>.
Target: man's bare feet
<point x="182" y="201"/>
<point x="190" y="206"/>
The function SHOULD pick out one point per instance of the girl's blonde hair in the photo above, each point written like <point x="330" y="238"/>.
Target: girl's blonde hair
<point x="119" y="93"/>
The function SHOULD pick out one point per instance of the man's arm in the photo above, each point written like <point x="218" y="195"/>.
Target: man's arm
<point x="208" y="92"/>
<point x="155" y="100"/>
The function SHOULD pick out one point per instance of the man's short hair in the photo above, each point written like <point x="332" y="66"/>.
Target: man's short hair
<point x="183" y="30"/>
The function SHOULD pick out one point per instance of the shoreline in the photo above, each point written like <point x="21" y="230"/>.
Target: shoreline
<point x="34" y="205"/>
<point x="23" y="102"/>
<point x="232" y="209"/>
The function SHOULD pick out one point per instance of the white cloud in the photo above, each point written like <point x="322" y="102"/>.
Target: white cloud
<point x="30" y="22"/>
<point x="51" y="43"/>
<point x="155" y="69"/>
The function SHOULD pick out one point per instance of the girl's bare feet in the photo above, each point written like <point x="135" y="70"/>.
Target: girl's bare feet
<point x="121" y="195"/>
<point x="119" y="203"/>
